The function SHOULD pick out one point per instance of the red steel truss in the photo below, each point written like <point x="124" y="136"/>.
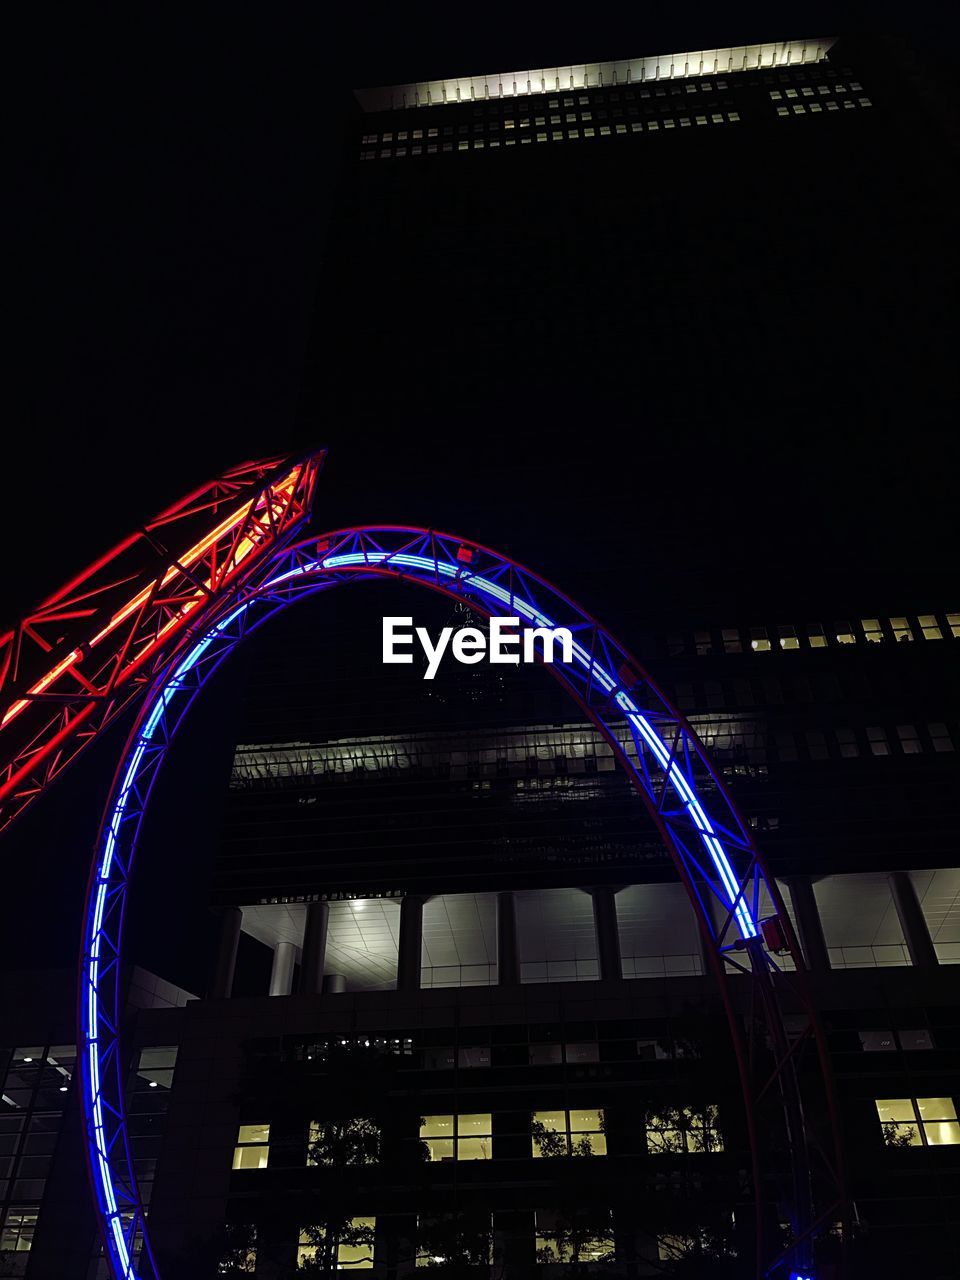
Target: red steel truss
<point x="76" y="661"/>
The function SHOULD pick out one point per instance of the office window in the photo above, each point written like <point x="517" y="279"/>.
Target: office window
<point x="565" y="1133"/>
<point x="17" y="1234"/>
<point x="847" y="742"/>
<point x="346" y="1247"/>
<point x="845" y="633"/>
<point x="253" y="1147"/>
<point x="816" y="636"/>
<point x="701" y="640"/>
<point x="788" y="638"/>
<point x="930" y="627"/>
<point x="473" y="1056"/>
<point x="455" y="1241"/>
<point x="456" y="1137"/>
<point x="918" y="1122"/>
<point x="786" y="746"/>
<point x="871" y="629"/>
<point x="901" y="629"/>
<point x="731" y="640"/>
<point x="676" y="1130"/>
<point x="759" y="640"/>
<point x="582" y="1237"/>
<point x="915" y="1041"/>
<point x="910" y="743"/>
<point x="878" y="740"/>
<point x="953" y="622"/>
<point x="343" y="1142"/>
<point x="940" y="737"/>
<point x="816" y="745"/>
<point x="877" y="1042"/>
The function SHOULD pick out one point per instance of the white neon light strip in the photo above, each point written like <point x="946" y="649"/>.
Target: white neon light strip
<point x="595" y="75"/>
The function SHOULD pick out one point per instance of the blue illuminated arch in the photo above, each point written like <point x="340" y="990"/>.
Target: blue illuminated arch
<point x="711" y="846"/>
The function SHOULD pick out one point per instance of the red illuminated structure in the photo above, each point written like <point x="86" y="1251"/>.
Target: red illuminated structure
<point x="76" y="661"/>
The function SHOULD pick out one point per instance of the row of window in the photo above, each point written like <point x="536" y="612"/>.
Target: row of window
<point x="574" y="1238"/>
<point x="554" y="135"/>
<point x="815" y="108"/>
<point x="777" y="95"/>
<point x="815" y="636"/>
<point x="875" y="740"/>
<point x="558" y="1132"/>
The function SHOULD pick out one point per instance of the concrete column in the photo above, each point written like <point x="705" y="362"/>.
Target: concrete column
<point x="912" y="921"/>
<point x="314" y="948"/>
<point x="508" y="944"/>
<point x="804" y="903"/>
<point x="410" y="942"/>
<point x="221" y="987"/>
<point x="281" y="975"/>
<point x="608" y="931"/>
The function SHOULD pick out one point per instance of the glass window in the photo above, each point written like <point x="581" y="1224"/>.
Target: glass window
<point x="564" y="1133"/>
<point x="953" y="622"/>
<point x="878" y="740"/>
<point x="731" y="640"/>
<point x="343" y="1142"/>
<point x="701" y="640"/>
<point x="940" y="737"/>
<point x="930" y="627"/>
<point x="349" y="1246"/>
<point x="845" y="633"/>
<point x="901" y="629"/>
<point x="759" y="640"/>
<point x="546" y="1055"/>
<point x="458" y="1137"/>
<point x="576" y="1239"/>
<point x="915" y="1122"/>
<point x="677" y="1130"/>
<point x="915" y="1041"/>
<point x="253" y="1147"/>
<point x="816" y="744"/>
<point x="788" y="638"/>
<point x="474" y="1056"/>
<point x="877" y="1041"/>
<point x="847" y="742"/>
<point x="871" y="629"/>
<point x="910" y="743"/>
<point x="816" y="636"/>
<point x="17" y="1234"/>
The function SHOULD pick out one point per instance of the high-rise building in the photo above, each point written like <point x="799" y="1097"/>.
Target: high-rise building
<point x="460" y="1014"/>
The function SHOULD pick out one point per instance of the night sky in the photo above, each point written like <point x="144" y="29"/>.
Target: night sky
<point x="175" y="186"/>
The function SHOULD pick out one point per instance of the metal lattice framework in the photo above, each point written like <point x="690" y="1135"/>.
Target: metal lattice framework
<point x="783" y="1063"/>
<point x="74" y="663"/>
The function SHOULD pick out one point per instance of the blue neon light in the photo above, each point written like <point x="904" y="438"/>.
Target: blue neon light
<point x="682" y="787"/>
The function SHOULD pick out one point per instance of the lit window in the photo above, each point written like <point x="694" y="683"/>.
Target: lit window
<point x="343" y="1142"/>
<point x="871" y="629"/>
<point x="901" y="629"/>
<point x="733" y="117"/>
<point x="565" y="1133"/>
<point x="847" y="741"/>
<point x="455" y="1240"/>
<point x="845" y="633"/>
<point x="348" y="1246"/>
<point x="776" y="95"/>
<point x="816" y="636"/>
<point x="582" y="1237"/>
<point x="675" y="1130"/>
<point x="930" y="627"/>
<point x="253" y="1147"/>
<point x="953" y="622"/>
<point x="17" y="1233"/>
<point x="916" y="1122"/>
<point x="878" y="1042"/>
<point x="466" y="1137"/>
<point x="910" y="743"/>
<point x="759" y="641"/>
<point x="878" y="740"/>
<point x="788" y="638"/>
<point x="940" y="737"/>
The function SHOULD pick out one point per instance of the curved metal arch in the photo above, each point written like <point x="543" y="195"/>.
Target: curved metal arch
<point x="712" y="848"/>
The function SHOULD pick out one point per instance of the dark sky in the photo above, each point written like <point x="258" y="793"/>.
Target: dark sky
<point x="171" y="198"/>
